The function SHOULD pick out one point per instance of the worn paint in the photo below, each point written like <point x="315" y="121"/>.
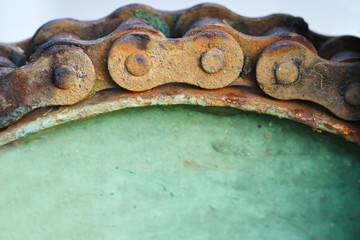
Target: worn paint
<point x="239" y="98"/>
<point x="272" y="111"/>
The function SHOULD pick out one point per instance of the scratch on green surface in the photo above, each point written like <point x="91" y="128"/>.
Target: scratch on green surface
<point x="170" y="193"/>
<point x="152" y="20"/>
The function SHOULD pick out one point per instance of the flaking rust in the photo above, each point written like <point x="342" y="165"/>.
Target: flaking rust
<point x="234" y="97"/>
<point x="205" y="55"/>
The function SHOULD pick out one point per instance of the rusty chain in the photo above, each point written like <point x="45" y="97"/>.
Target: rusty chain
<point x="138" y="48"/>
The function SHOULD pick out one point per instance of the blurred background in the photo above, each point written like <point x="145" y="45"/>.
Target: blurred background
<point x="179" y="172"/>
<point x="19" y="19"/>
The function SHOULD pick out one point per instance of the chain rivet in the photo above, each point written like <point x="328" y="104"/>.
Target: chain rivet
<point x="64" y="77"/>
<point x="352" y="94"/>
<point x="287" y="72"/>
<point x="138" y="64"/>
<point x="212" y="61"/>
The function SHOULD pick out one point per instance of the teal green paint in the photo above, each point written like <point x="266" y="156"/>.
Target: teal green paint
<point x="180" y="173"/>
<point x="152" y="20"/>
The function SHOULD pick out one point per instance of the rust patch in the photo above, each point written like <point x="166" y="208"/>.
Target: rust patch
<point x="192" y="165"/>
<point x="141" y="41"/>
<point x="181" y="63"/>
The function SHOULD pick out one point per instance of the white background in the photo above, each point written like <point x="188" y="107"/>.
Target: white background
<point x="20" y="19"/>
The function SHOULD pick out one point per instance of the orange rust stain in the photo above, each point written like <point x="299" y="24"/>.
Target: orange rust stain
<point x="192" y="164"/>
<point x="317" y="130"/>
<point x="341" y="129"/>
<point x="233" y="99"/>
<point x="188" y="163"/>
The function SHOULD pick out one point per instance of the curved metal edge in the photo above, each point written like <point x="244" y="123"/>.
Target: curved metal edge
<point x="234" y="97"/>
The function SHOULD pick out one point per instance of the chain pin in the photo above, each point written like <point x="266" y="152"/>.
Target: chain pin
<point x="287" y="73"/>
<point x="352" y="94"/>
<point x="64" y="77"/>
<point x="138" y="64"/>
<point x="212" y="61"/>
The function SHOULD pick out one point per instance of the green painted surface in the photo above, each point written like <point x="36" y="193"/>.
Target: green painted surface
<point x="180" y="173"/>
<point x="152" y="20"/>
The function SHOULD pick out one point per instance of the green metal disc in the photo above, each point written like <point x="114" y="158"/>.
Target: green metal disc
<point x="180" y="173"/>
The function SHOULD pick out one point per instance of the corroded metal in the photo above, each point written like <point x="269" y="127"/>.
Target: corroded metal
<point x="234" y="97"/>
<point x="315" y="79"/>
<point x="138" y="48"/>
<point x="32" y="86"/>
<point x="174" y="60"/>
